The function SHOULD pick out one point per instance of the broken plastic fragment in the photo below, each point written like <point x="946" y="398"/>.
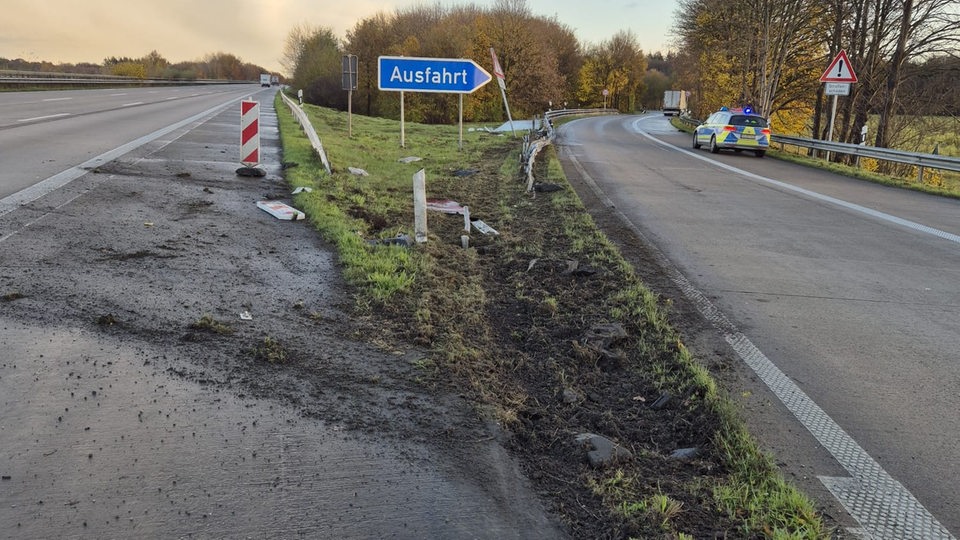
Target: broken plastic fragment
<point x="358" y="172"/>
<point x="246" y="316"/>
<point x="409" y="159"/>
<point x="302" y="189"/>
<point x="483" y="227"/>
<point x="444" y="205"/>
<point x="280" y="210"/>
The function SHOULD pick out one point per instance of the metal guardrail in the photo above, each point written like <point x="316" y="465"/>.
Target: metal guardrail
<point x="9" y="77"/>
<point x="308" y="129"/>
<point x="921" y="160"/>
<point x="532" y="146"/>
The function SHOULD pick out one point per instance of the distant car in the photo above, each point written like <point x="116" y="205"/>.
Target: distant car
<point x="735" y="129"/>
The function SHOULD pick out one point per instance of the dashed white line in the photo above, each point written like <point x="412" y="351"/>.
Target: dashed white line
<point x="35" y="118"/>
<point x="132" y="104"/>
<point x="58" y="99"/>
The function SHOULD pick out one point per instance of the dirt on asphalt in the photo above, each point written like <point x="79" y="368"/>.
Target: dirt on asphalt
<point x="137" y="402"/>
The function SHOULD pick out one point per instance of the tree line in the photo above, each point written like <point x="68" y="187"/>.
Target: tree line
<point x="543" y="62"/>
<point x="217" y="66"/>
<point x="771" y="53"/>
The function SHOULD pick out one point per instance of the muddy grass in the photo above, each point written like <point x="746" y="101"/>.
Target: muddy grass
<point x="522" y="322"/>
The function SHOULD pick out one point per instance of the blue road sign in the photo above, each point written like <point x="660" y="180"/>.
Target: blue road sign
<point x="447" y="75"/>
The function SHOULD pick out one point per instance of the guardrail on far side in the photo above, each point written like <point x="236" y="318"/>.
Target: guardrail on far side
<point x="920" y="160"/>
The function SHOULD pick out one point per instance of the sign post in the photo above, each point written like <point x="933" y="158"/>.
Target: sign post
<point x="502" y="81"/>
<point x="838" y="77"/>
<point x="349" y="83"/>
<point x="438" y="75"/>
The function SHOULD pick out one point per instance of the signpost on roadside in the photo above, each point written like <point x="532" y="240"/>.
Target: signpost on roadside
<point x="349" y="83"/>
<point x="502" y="81"/>
<point x="837" y="77"/>
<point x="438" y="75"/>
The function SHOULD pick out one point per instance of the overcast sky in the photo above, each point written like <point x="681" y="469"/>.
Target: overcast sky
<point x="90" y="30"/>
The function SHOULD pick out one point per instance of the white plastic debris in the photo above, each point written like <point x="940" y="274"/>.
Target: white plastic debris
<point x="410" y="159"/>
<point x="483" y="227"/>
<point x="280" y="210"/>
<point x="246" y="316"/>
<point x="358" y="172"/>
<point x="302" y="189"/>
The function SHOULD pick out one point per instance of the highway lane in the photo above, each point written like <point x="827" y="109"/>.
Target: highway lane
<point x="857" y="309"/>
<point x="45" y="133"/>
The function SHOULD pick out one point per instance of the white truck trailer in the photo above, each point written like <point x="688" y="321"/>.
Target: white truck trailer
<point x="674" y="102"/>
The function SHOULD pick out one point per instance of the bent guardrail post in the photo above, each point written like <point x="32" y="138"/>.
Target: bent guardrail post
<point x="308" y="130"/>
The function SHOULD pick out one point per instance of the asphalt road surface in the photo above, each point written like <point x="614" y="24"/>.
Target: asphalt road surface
<point x="123" y="223"/>
<point x="842" y="296"/>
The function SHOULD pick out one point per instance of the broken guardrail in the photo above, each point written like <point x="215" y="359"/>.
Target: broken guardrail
<point x="308" y="129"/>
<point x="533" y="145"/>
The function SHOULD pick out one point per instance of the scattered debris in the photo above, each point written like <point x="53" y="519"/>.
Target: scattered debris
<point x="545" y="187"/>
<point x="183" y="175"/>
<point x="661" y="401"/>
<point x="246" y="316"/>
<point x="358" y="172"/>
<point x="10" y="297"/>
<point x="602" y="451"/>
<point x="575" y="269"/>
<point x="465" y="172"/>
<point x="596" y="345"/>
<point x="410" y="159"/>
<point x="402" y="240"/>
<point x="207" y="190"/>
<point x="570" y="396"/>
<point x="280" y="210"/>
<point x="685" y="453"/>
<point x="148" y="224"/>
<point x="302" y="189"/>
<point x="251" y="172"/>
<point x="444" y="205"/>
<point x="483" y="227"/>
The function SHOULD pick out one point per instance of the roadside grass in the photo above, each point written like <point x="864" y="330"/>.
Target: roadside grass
<point x="935" y="182"/>
<point x="446" y="298"/>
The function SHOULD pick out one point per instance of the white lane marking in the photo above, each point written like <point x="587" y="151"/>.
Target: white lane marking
<point x="34" y="192"/>
<point x="132" y="104"/>
<point x="812" y="194"/>
<point x="881" y="505"/>
<point x="121" y="94"/>
<point x="171" y="97"/>
<point x="58" y="99"/>
<point x="44" y="117"/>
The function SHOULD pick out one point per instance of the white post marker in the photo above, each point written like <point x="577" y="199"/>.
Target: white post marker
<point x="420" y="206"/>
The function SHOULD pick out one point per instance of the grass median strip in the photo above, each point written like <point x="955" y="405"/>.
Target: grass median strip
<point x="546" y="327"/>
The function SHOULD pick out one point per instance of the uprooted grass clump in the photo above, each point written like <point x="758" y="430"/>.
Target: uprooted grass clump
<point x="270" y="350"/>
<point x="207" y="323"/>
<point x="548" y="328"/>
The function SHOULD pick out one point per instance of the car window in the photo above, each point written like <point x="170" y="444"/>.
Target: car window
<point x="744" y="120"/>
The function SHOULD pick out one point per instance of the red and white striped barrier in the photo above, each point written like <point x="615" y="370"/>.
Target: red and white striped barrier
<point x="250" y="133"/>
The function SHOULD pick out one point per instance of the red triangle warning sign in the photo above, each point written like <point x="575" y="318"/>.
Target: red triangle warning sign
<point x="840" y="70"/>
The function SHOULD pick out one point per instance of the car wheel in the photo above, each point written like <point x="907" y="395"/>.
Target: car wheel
<point x="696" y="145"/>
<point x="714" y="149"/>
<point x="759" y="153"/>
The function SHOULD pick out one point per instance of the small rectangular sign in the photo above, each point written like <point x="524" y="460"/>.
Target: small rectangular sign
<point x="349" y="72"/>
<point x="836" y="89"/>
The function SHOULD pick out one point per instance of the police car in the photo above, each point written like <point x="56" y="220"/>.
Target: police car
<point x="736" y="129"/>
